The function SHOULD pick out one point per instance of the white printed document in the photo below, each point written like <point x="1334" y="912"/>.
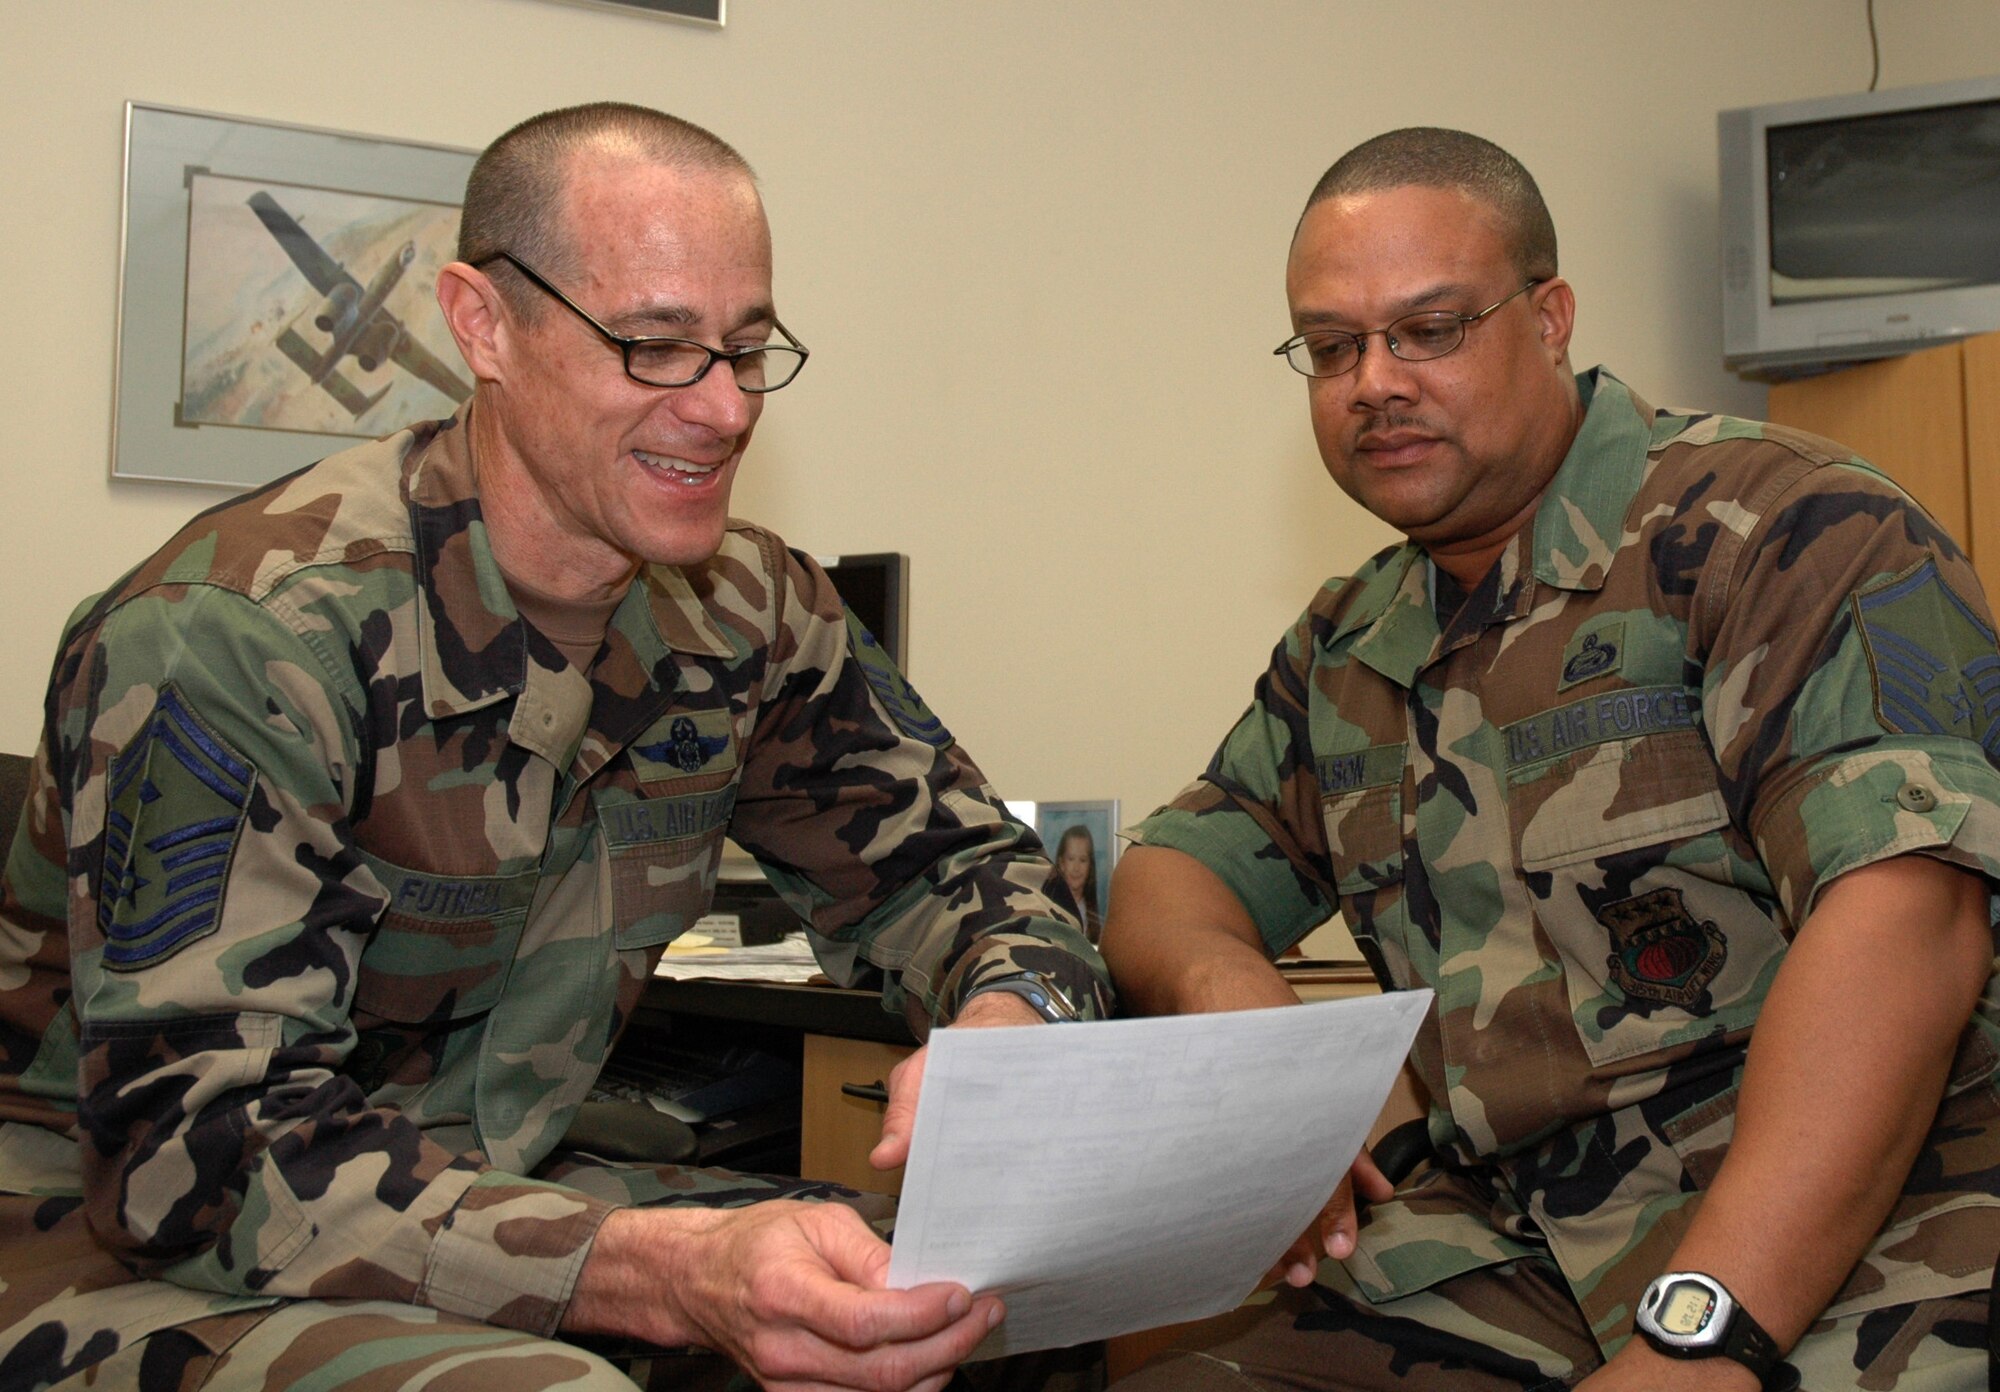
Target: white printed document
<point x="1123" y="1174"/>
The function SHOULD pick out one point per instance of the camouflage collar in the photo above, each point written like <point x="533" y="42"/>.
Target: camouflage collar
<point x="1575" y="535"/>
<point x="473" y="640"/>
<point x="677" y="615"/>
<point x="1393" y="603"/>
<point x="1582" y="516"/>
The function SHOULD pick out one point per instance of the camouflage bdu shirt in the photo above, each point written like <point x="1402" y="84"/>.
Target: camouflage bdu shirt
<point x="337" y="883"/>
<point x="1726" y="664"/>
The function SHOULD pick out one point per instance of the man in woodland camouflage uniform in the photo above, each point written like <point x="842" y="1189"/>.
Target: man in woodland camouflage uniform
<point x="1662" y="733"/>
<point x="366" y="806"/>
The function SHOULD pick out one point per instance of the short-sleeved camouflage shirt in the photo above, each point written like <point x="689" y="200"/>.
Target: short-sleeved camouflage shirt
<point x="1591" y="805"/>
<point x="337" y="881"/>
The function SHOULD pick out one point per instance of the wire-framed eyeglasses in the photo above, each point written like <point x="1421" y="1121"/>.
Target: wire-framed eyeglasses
<point x="680" y="362"/>
<point x="1419" y="337"/>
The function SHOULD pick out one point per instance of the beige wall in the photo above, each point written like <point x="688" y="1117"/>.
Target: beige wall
<point x="1036" y="248"/>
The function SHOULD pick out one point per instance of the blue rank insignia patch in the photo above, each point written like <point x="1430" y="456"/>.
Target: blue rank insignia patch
<point x="687" y="742"/>
<point x="893" y="689"/>
<point x="1933" y="658"/>
<point x="176" y="800"/>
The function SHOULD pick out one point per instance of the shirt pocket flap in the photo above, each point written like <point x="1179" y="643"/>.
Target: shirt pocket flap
<point x="662" y="854"/>
<point x="1617" y="796"/>
<point x="1364" y="837"/>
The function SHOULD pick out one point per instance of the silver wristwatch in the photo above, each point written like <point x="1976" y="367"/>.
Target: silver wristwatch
<point x="1037" y="989"/>
<point x="1686" y="1314"/>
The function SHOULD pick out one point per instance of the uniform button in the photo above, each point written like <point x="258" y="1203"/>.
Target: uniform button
<point x="548" y="718"/>
<point x="1914" y="797"/>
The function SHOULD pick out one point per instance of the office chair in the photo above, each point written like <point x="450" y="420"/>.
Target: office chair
<point x="632" y="1132"/>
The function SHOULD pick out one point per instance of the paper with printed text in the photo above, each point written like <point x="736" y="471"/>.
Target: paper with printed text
<point x="1124" y="1174"/>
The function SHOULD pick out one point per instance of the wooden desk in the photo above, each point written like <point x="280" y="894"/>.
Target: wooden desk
<point x="836" y="1131"/>
<point x="848" y="1038"/>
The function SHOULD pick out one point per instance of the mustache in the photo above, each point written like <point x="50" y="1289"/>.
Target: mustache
<point x="1391" y="420"/>
<point x="1376" y="425"/>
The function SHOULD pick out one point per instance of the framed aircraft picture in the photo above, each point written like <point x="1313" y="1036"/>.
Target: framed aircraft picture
<point x="694" y="11"/>
<point x="275" y="294"/>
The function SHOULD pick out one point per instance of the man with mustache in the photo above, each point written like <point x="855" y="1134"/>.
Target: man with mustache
<point x="1661" y="751"/>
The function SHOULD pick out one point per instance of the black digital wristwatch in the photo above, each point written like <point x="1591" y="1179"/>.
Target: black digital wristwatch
<point x="1685" y="1314"/>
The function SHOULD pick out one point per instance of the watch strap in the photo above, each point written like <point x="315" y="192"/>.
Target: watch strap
<point x="1037" y="989"/>
<point x="1744" y="1340"/>
<point x="1748" y="1343"/>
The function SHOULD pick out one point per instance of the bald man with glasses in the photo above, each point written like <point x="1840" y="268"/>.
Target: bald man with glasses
<point x="1662" y="750"/>
<point x="366" y="806"/>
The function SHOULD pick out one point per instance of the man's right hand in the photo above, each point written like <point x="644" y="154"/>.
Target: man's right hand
<point x="906" y="1083"/>
<point x="794" y="1292"/>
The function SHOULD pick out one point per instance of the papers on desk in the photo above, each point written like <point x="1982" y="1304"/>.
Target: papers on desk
<point x="790" y="959"/>
<point x="1125" y="1174"/>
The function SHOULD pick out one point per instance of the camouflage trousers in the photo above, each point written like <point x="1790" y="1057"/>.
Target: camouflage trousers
<point x="1515" y="1327"/>
<point x="355" y="1345"/>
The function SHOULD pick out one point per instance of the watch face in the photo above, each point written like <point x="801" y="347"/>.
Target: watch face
<point x="1685" y="1309"/>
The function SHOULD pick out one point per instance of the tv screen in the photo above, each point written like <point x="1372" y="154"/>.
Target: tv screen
<point x="1859" y="226"/>
<point x="1885" y="205"/>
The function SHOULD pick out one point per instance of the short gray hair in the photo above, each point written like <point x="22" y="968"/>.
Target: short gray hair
<point x="514" y="196"/>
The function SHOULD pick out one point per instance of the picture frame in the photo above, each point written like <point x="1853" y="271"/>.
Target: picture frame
<point x="275" y="294"/>
<point x="1097" y="821"/>
<point x="709" y="13"/>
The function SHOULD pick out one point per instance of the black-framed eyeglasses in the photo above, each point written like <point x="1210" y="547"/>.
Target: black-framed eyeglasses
<point x="680" y="362"/>
<point x="1419" y="337"/>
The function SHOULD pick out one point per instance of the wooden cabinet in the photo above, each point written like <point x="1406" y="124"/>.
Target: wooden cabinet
<point x="836" y="1131"/>
<point x="1929" y="420"/>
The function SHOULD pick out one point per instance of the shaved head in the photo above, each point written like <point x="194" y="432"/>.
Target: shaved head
<point x="515" y="198"/>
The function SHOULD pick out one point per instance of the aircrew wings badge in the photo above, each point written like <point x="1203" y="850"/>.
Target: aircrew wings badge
<point x="687" y="743"/>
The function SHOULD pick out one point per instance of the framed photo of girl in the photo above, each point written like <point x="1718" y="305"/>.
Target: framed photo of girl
<point x="1082" y="840"/>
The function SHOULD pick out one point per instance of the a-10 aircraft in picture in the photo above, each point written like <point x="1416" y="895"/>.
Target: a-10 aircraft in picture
<point x="354" y="315"/>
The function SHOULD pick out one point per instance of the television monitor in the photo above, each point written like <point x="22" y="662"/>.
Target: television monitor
<point x="1859" y="226"/>
<point x="876" y="586"/>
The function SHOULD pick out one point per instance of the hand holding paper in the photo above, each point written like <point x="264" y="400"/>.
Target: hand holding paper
<point x="1131" y="1173"/>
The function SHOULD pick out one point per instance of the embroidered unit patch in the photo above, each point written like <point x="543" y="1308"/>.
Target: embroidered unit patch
<point x="1660" y="951"/>
<point x="893" y="689"/>
<point x="1933" y="658"/>
<point x="177" y="796"/>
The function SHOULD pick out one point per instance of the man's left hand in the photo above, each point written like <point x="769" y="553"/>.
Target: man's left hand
<point x="907" y="1081"/>
<point x="1333" y="1233"/>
